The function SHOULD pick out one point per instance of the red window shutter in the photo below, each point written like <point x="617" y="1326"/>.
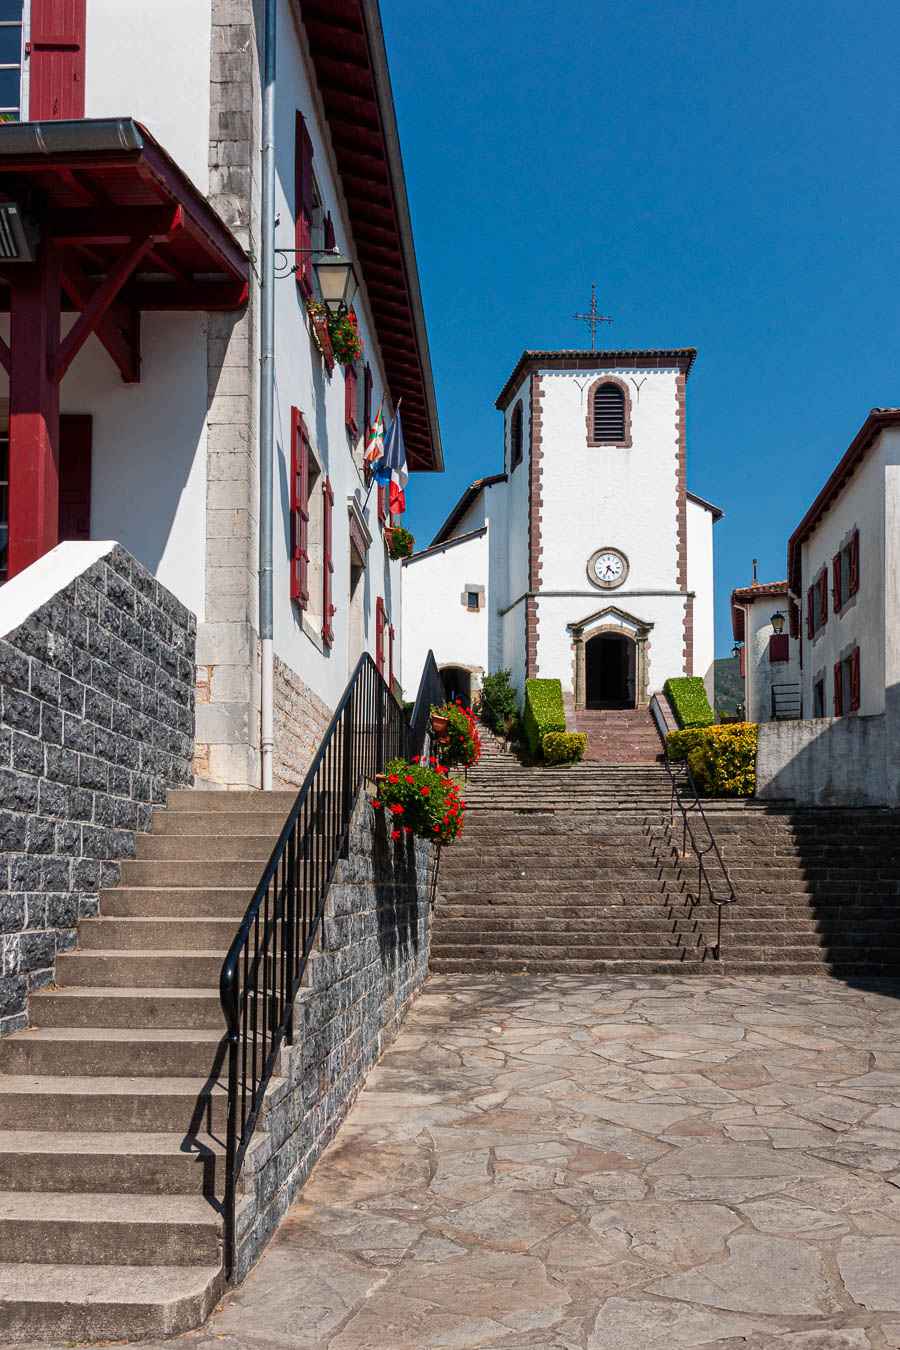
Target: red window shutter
<point x="810" y="612"/>
<point x="854" y="563"/>
<point x="57" y="59"/>
<point x="328" y="609"/>
<point x="299" y="509"/>
<point x="743" y="661"/>
<point x="328" y="241"/>
<point x="350" y="402"/>
<point x="823" y="597"/>
<point x="391" y="656"/>
<point x="854" y="680"/>
<point x="379" y="634"/>
<point x="75" y="476"/>
<point x="303" y="204"/>
<point x="383" y="498"/>
<point x="794" y="619"/>
<point x="367" y="396"/>
<point x="779" y="650"/>
<point x="836" y="596"/>
<point x="838" y="689"/>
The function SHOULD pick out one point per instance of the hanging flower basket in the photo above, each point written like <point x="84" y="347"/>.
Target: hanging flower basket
<point x="318" y="318"/>
<point x="400" y="543"/>
<point x="438" y="724"/>
<point x="346" y="341"/>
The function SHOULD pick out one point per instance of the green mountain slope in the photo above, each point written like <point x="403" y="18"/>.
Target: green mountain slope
<point x="728" y="684"/>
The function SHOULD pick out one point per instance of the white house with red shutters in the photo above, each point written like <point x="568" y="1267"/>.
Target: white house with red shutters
<point x="129" y="270"/>
<point x="769" y="655"/>
<point x="844" y="584"/>
<point x="587" y="559"/>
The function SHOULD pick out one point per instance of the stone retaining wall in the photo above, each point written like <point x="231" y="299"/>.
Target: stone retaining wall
<point x="97" y="720"/>
<point x="372" y="961"/>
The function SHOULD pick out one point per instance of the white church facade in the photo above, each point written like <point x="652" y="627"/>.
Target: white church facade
<point x="586" y="559"/>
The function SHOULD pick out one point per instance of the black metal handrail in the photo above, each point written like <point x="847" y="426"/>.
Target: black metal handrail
<point x="264" y="968"/>
<point x="431" y="695"/>
<point x="786" y="702"/>
<point x="685" y="795"/>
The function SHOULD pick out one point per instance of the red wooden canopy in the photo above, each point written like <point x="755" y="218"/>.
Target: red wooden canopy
<point x="119" y="229"/>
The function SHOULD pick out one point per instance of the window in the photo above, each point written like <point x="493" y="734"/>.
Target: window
<point x="845" y="572"/>
<point x="853" y="664"/>
<point x="819" y="698"/>
<point x="472" y="600"/>
<point x="300" y="498"/>
<point x="838" y="689"/>
<point x="608" y="414"/>
<point x="817" y="604"/>
<point x="351" y="412"/>
<point x="853" y="564"/>
<point x="779" y="647"/>
<point x="515" y="437"/>
<point x="56" y="66"/>
<point x="303" y="204"/>
<point x="10" y="63"/>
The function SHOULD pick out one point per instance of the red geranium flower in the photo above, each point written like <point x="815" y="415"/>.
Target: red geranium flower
<point x="395" y="834"/>
<point x="426" y="792"/>
<point x="397" y="809"/>
<point x="393" y="778"/>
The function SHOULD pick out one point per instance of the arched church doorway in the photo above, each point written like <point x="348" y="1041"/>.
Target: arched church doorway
<point x="457" y="684"/>
<point x="609" y="671"/>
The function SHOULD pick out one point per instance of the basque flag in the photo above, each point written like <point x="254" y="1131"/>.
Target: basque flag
<point x="392" y="466"/>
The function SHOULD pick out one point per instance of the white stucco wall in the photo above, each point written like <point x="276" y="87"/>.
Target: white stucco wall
<point x="148" y="454"/>
<point x="760" y="673"/>
<point x="152" y="63"/>
<point x="827" y="761"/>
<point x="861" y="622"/>
<point x="700" y="581"/>
<point x="517" y="506"/>
<point x="435" y="613"/>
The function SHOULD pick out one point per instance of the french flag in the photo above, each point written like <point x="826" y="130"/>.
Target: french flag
<point x="392" y="466"/>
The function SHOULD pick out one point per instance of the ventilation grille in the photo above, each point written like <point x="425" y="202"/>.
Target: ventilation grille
<point x="609" y="413"/>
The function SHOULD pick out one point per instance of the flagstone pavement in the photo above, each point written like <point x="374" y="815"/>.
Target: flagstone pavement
<point x="552" y="1163"/>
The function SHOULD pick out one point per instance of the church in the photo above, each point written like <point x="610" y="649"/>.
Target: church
<point x="586" y="559"/>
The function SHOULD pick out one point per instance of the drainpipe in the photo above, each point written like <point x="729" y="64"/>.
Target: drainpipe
<point x="267" y="396"/>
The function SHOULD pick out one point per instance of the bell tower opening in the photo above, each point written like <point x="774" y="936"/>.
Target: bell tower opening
<point x="609" y="671"/>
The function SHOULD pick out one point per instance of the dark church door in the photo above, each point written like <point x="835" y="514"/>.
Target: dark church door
<point x="606" y="672"/>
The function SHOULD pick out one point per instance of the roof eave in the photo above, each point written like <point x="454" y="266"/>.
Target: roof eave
<point x="580" y="360"/>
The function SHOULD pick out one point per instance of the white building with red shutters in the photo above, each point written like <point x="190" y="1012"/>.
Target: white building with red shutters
<point x="769" y="655"/>
<point x="587" y="559"/>
<point x="844" y="581"/>
<point x="129" y="407"/>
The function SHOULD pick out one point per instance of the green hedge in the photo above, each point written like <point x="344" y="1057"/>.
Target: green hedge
<point x="722" y="760"/>
<point x="687" y="695"/>
<point x="543" y="711"/>
<point x="564" y="747"/>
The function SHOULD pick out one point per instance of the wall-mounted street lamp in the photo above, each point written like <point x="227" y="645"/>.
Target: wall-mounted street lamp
<point x="777" y="622"/>
<point x="736" y="649"/>
<point x="335" y="274"/>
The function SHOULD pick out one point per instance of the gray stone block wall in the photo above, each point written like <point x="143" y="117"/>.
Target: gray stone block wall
<point x="372" y="960"/>
<point x="96" y="721"/>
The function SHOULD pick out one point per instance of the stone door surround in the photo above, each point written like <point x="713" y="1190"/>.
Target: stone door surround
<point x="612" y="620"/>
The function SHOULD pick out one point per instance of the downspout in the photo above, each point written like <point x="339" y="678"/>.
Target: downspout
<point x="267" y="398"/>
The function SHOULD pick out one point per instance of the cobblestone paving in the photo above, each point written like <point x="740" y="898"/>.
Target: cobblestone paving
<point x="552" y="1163"/>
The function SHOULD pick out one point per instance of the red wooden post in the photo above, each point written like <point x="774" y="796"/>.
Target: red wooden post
<point x="33" y="410"/>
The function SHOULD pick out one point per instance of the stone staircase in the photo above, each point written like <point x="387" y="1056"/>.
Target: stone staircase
<point x="578" y="870"/>
<point x="615" y="735"/>
<point x="112" y="1112"/>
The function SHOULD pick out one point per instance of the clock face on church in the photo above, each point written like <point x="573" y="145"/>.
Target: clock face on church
<point x="607" y="568"/>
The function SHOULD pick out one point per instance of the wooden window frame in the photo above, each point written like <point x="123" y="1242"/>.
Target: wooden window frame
<point x="303" y="205"/>
<point x="299" y="510"/>
<point x="853" y="663"/>
<point x="838" y="689"/>
<point x="623" y="442"/>
<point x="822" y="583"/>
<point x="836" y="586"/>
<point x="853" y="578"/>
<point x="351" y="400"/>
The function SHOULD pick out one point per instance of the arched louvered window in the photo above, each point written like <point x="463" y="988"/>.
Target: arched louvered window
<point x="607" y="413"/>
<point x="515" y="437"/>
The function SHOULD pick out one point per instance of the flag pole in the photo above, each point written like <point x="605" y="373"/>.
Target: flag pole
<point x="372" y="484"/>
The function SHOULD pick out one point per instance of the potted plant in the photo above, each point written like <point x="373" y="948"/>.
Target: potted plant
<point x="420" y="799"/>
<point x="346" y="340"/>
<point x="318" y="318"/>
<point x="400" y="543"/>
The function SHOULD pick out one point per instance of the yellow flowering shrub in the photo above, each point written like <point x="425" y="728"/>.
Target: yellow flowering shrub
<point x="722" y="759"/>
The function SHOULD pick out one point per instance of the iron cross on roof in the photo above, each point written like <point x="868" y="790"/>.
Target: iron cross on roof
<point x="593" y="316"/>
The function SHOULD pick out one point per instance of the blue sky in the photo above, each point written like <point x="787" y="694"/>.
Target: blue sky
<point x="726" y="174"/>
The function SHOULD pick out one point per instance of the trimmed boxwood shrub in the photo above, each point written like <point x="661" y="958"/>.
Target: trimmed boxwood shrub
<point x="721" y="759"/>
<point x="564" y="747"/>
<point x="687" y="695"/>
<point x="543" y="711"/>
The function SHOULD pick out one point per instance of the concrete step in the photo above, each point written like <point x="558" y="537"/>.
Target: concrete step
<point x="186" y="902"/>
<point x="89" y="1006"/>
<point x="188" y="933"/>
<point x="140" y="969"/>
<point x="230" y="847"/>
<point x="571" y="966"/>
<point x="84" y="1229"/>
<point x="218" y="803"/>
<point x="562" y="952"/>
<point x="170" y="872"/>
<point x="105" y="1161"/>
<point x="112" y="1051"/>
<point x="76" y="1304"/>
<point x="157" y="1105"/>
<point x="212" y="823"/>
